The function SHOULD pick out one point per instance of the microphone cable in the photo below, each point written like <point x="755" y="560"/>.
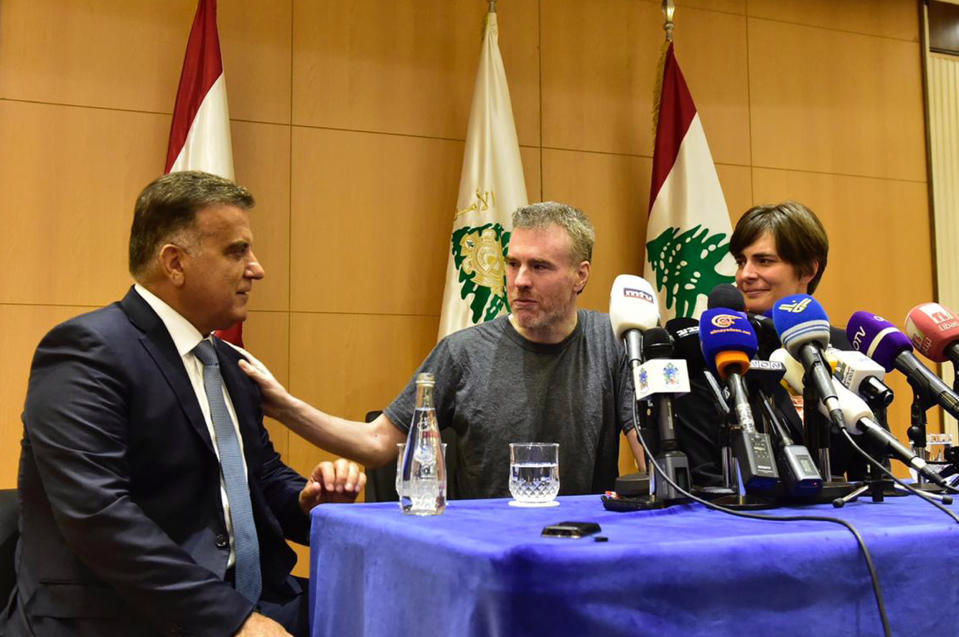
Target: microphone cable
<point x="873" y="576"/>
<point x="908" y="487"/>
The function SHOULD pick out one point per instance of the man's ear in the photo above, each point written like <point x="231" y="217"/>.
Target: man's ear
<point x="170" y="259"/>
<point x="582" y="276"/>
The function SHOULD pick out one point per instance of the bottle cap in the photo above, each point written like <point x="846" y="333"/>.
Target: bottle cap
<point x="425" y="378"/>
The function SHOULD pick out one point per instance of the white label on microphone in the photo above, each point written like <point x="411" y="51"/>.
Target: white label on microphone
<point x="662" y="376"/>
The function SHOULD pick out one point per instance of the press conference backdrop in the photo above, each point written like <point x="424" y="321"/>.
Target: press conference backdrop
<point x="348" y="125"/>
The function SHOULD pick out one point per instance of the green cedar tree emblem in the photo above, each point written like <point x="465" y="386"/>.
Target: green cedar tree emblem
<point x="685" y="265"/>
<point x="479" y="256"/>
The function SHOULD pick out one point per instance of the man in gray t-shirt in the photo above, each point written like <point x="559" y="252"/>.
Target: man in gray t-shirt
<point x="547" y="372"/>
<point x="494" y="387"/>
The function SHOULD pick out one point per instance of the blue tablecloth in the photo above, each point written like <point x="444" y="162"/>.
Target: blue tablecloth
<point x="482" y="568"/>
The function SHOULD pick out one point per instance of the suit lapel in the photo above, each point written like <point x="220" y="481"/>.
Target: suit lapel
<point x="159" y="344"/>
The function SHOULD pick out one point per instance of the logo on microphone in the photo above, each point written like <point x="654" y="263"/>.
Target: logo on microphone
<point x="795" y="308"/>
<point x="943" y="318"/>
<point x="723" y="320"/>
<point x="857" y="338"/>
<point x="671" y="374"/>
<point x="633" y="293"/>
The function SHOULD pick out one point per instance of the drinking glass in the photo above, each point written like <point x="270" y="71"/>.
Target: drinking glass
<point x="534" y="473"/>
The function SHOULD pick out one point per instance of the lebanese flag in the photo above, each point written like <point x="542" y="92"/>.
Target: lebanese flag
<point x="688" y="229"/>
<point x="200" y="132"/>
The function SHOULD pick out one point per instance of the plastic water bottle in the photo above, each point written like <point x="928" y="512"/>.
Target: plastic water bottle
<point x="423" y="468"/>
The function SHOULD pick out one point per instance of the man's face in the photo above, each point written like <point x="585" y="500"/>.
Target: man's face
<point x="764" y="278"/>
<point x="541" y="280"/>
<point x="219" y="268"/>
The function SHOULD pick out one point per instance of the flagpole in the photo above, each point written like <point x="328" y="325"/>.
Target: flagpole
<point x="668" y="10"/>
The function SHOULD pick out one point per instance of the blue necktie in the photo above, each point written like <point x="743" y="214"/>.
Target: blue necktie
<point x="245" y="543"/>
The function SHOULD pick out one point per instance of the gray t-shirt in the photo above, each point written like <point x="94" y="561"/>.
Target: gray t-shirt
<point x="494" y="387"/>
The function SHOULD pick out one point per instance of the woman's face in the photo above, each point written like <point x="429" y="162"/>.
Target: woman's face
<point x="764" y="278"/>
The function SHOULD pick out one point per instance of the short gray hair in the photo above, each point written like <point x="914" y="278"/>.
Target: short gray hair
<point x="570" y="219"/>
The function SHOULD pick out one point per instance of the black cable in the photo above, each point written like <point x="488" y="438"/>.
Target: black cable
<point x="874" y="577"/>
<point x="907" y="487"/>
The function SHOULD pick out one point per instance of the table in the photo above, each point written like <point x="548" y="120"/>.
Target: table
<point x="482" y="568"/>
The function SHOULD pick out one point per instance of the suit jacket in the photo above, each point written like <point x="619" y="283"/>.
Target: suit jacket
<point x="122" y="528"/>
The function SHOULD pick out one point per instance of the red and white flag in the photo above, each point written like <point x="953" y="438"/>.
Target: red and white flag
<point x="688" y="230"/>
<point x="200" y="132"/>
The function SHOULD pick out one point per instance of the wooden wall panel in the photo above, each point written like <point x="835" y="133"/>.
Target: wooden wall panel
<point x="348" y="364"/>
<point x="267" y="336"/>
<point x="261" y="154"/>
<point x="609" y="51"/>
<point x="255" y="42"/>
<point x="607" y="188"/>
<point x="886" y="18"/>
<point x="879" y="242"/>
<point x="128" y="55"/>
<point x="737" y="183"/>
<point x="371" y="221"/>
<point x="407" y="66"/>
<point x="68" y="181"/>
<point x="722" y="6"/>
<point x="123" y="55"/>
<point x="850" y="104"/>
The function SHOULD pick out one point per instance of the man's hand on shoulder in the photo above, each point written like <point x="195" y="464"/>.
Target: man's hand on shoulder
<point x="257" y="625"/>
<point x="340" y="481"/>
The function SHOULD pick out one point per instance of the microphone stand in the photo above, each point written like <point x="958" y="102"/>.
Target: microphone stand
<point x="816" y="429"/>
<point x="916" y="433"/>
<point x="732" y="472"/>
<point x="877" y="484"/>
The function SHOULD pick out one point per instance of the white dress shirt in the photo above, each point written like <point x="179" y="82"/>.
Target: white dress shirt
<point x="186" y="337"/>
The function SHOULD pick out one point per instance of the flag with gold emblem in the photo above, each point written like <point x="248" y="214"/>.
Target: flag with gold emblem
<point x="491" y="188"/>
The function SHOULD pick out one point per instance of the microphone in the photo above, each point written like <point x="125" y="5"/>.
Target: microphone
<point x="881" y="341"/>
<point x="765" y="332"/>
<point x="661" y="378"/>
<point x="934" y="331"/>
<point x="685" y="333"/>
<point x="860" y="419"/>
<point x="633" y="309"/>
<point x="804" y="330"/>
<point x="728" y="342"/>
<point x="796" y="465"/>
<point x="728" y="296"/>
<point x="862" y="375"/>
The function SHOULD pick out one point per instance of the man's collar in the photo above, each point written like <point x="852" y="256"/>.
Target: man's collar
<point x="185" y="336"/>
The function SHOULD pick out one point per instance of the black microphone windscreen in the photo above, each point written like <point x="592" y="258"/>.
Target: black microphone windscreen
<point x="657" y="343"/>
<point x="726" y="295"/>
<point x="685" y="333"/>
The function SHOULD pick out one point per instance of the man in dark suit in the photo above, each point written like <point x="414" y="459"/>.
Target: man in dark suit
<point x="151" y="498"/>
